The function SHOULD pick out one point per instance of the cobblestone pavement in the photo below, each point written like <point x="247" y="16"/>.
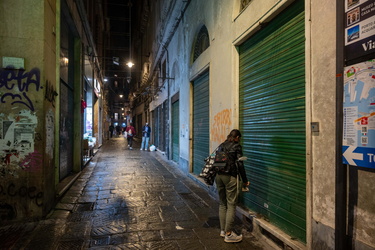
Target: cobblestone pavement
<point x="128" y="199"/>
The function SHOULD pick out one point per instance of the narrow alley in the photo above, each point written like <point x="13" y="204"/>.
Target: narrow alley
<point x="128" y="199"/>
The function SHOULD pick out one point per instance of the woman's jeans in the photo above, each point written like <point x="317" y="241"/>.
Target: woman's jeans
<point x="130" y="141"/>
<point x="145" y="141"/>
<point x="227" y="189"/>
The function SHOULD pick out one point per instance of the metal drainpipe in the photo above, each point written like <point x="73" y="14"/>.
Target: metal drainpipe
<point x="341" y="169"/>
<point x="169" y="109"/>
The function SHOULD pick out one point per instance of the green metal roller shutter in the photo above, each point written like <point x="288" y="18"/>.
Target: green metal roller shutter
<point x="200" y="122"/>
<point x="272" y="120"/>
<point x="176" y="131"/>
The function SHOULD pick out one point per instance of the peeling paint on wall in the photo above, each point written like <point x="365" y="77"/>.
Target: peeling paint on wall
<point x="184" y="132"/>
<point x="50" y="131"/>
<point x="17" y="137"/>
<point x="221" y="125"/>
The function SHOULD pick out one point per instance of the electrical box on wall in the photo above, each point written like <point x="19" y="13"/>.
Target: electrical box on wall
<point x="315" y="127"/>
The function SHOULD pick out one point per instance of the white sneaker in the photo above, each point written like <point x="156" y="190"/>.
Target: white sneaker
<point x="141" y="149"/>
<point x="130" y="148"/>
<point x="222" y="233"/>
<point x="233" y="237"/>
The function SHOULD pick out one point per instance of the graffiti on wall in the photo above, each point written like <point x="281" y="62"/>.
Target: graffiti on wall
<point x="17" y="152"/>
<point x="7" y="212"/>
<point x="50" y="93"/>
<point x="19" y="90"/>
<point x="221" y="125"/>
<point x="14" y="190"/>
<point x="16" y="84"/>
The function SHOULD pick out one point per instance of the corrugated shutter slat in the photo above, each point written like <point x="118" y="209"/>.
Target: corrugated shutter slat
<point x="272" y="120"/>
<point x="200" y="122"/>
<point x="176" y="131"/>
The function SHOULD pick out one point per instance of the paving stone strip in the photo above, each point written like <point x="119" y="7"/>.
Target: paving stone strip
<point x="128" y="199"/>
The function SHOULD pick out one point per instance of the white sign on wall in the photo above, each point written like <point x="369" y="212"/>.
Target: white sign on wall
<point x="359" y="115"/>
<point x="13" y="62"/>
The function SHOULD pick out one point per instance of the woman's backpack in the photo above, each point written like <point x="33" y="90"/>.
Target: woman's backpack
<point x="221" y="162"/>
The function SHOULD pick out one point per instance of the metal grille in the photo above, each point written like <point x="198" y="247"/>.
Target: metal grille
<point x="201" y="121"/>
<point x="176" y="131"/>
<point x="272" y="120"/>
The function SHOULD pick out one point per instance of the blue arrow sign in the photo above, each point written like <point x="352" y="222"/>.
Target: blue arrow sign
<point x="359" y="156"/>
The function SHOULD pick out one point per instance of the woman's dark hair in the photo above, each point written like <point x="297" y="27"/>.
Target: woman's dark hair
<point x="233" y="134"/>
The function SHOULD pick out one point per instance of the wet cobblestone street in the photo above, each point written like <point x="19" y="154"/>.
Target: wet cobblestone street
<point x="128" y="199"/>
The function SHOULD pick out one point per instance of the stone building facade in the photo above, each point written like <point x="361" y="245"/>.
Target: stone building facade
<point x="268" y="68"/>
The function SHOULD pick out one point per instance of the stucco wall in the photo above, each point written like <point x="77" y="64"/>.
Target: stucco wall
<point x="323" y="103"/>
<point x="27" y="112"/>
<point x="323" y="98"/>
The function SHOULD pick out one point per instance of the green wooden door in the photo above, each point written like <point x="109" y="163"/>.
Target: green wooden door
<point x="176" y="131"/>
<point x="201" y="146"/>
<point x="272" y="120"/>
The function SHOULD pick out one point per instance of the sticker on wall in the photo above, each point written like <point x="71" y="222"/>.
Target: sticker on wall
<point x="16" y="141"/>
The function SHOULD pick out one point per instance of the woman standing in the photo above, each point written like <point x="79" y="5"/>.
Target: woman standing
<point x="227" y="186"/>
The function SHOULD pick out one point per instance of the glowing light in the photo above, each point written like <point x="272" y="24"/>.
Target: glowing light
<point x="130" y="64"/>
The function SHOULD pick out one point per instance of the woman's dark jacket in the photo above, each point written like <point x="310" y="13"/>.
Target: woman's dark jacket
<point x="234" y="152"/>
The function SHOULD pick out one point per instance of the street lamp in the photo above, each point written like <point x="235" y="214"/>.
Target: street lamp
<point x="130" y="64"/>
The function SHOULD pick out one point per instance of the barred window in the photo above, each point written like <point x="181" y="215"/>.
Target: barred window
<point x="202" y="42"/>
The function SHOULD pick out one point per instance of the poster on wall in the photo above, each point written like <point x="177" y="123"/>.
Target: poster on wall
<point x="359" y="28"/>
<point x="359" y="115"/>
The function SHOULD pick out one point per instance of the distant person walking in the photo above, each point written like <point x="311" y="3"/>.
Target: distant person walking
<point x="118" y="130"/>
<point x="111" y="128"/>
<point x="130" y="133"/>
<point x="146" y="131"/>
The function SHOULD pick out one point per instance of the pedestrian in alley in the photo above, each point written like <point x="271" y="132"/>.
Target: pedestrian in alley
<point x="146" y="131"/>
<point x="227" y="186"/>
<point x="118" y="130"/>
<point x="130" y="133"/>
<point x="111" y="128"/>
